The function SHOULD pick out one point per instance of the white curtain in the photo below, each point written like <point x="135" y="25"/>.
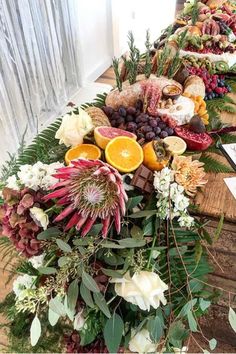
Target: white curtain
<point x="38" y="64"/>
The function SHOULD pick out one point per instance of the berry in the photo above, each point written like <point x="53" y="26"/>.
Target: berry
<point x="162" y="125"/>
<point x="131" y="111"/>
<point x="153" y="123"/>
<point x="121" y="120"/>
<point x="129" y="118"/>
<point x="131" y="126"/>
<point x="157" y="130"/>
<point x="163" y="134"/>
<point x="122" y="111"/>
<point x="149" y="136"/>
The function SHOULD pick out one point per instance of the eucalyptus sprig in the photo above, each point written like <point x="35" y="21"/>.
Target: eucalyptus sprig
<point x="115" y="63"/>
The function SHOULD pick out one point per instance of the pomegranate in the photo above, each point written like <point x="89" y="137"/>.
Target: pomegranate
<point x="193" y="140"/>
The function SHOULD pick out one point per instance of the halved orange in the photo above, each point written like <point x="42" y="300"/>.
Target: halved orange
<point x="124" y="153"/>
<point x="87" y="151"/>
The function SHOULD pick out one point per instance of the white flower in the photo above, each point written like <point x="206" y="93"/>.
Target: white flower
<point x="22" y="283"/>
<point x="79" y="321"/>
<point x="144" y="289"/>
<point x="141" y="343"/>
<point x="37" y="261"/>
<point x="12" y="183"/>
<point x="74" y="127"/>
<point x="162" y="181"/>
<point x="180" y="351"/>
<point x="40" y="217"/>
<point x="186" y="220"/>
<point x="38" y="175"/>
<point x="181" y="203"/>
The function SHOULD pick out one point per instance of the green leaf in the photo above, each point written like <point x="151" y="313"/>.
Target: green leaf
<point x="212" y="165"/>
<point x="49" y="233"/>
<point x="112" y="273"/>
<point x="232" y="318"/>
<point x="35" y="331"/>
<point x="134" y="201"/>
<point x="109" y="244"/>
<point x="195" y="285"/>
<point x="177" y="333"/>
<point x="47" y="270"/>
<point x="56" y="305"/>
<point x="86" y="295"/>
<point x="218" y="229"/>
<point x="212" y="343"/>
<point x="198" y="251"/>
<point x="95" y="230"/>
<point x="53" y="317"/>
<point x="204" y="304"/>
<point x="143" y="214"/>
<point x="113" y="331"/>
<point x="136" y="232"/>
<point x="69" y="312"/>
<point x="192" y="322"/>
<point x="62" y="261"/>
<point x="73" y="293"/>
<point x="148" y="229"/>
<point x="89" y="282"/>
<point x="187" y="307"/>
<point x="131" y="243"/>
<point x="63" y="245"/>
<point x="101" y="303"/>
<point x="155" y="328"/>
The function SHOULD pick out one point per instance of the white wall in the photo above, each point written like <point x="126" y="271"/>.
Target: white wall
<point x="95" y="38"/>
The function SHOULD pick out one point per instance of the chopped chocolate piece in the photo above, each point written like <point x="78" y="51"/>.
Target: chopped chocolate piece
<point x="143" y="179"/>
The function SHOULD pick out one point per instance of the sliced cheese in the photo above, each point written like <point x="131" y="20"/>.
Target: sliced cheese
<point x="229" y="58"/>
<point x="183" y="115"/>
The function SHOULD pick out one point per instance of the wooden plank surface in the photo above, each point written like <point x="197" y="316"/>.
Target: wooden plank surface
<point x="215" y="198"/>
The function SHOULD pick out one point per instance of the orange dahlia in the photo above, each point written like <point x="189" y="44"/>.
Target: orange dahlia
<point x="89" y="190"/>
<point x="189" y="173"/>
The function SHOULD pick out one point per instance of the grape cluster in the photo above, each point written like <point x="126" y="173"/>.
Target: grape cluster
<point x="216" y="85"/>
<point x="136" y="121"/>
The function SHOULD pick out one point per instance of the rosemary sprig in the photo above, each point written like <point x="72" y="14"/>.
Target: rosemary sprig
<point x="162" y="59"/>
<point x="132" y="63"/>
<point x="194" y="12"/>
<point x="148" y="63"/>
<point x="176" y="61"/>
<point x="115" y="63"/>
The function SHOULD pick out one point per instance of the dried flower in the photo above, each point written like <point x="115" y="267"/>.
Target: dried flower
<point x="90" y="189"/>
<point x="189" y="173"/>
<point x="144" y="289"/>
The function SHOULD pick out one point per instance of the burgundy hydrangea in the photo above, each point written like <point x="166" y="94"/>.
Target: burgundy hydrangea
<point x="16" y="222"/>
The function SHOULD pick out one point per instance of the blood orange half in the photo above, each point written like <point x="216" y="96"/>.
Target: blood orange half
<point x="103" y="135"/>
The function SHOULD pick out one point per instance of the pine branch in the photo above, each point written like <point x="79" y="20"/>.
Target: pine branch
<point x="115" y="63"/>
<point x="212" y="165"/>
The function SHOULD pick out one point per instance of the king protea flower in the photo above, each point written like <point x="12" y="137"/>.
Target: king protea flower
<point x="89" y="189"/>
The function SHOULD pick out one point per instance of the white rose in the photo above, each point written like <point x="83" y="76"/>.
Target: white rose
<point x="79" y="321"/>
<point x="37" y="261"/>
<point x="141" y="343"/>
<point x="22" y="283"/>
<point x="74" y="127"/>
<point x="144" y="289"/>
<point x="39" y="217"/>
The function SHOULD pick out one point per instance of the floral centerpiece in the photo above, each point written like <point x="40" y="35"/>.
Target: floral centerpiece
<point x="111" y="255"/>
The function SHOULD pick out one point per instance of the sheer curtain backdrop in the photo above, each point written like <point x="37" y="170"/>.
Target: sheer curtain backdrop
<point x="38" y="65"/>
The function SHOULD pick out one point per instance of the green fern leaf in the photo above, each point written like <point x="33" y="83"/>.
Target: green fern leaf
<point x="212" y="165"/>
<point x="232" y="84"/>
<point x="228" y="138"/>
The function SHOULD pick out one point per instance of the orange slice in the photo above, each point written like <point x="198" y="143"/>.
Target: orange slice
<point x="86" y="151"/>
<point x="124" y="153"/>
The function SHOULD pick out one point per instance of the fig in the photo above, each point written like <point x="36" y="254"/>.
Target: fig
<point x="196" y="125"/>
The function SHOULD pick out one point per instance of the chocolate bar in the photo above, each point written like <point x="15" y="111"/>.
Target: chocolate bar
<point x="143" y="179"/>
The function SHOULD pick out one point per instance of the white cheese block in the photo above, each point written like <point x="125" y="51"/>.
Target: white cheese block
<point x="183" y="115"/>
<point x="229" y="58"/>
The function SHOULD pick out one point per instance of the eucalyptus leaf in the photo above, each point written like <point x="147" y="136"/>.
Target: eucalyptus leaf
<point x="62" y="261"/>
<point x="143" y="214"/>
<point x="35" y="331"/>
<point x="86" y="295"/>
<point x="134" y="201"/>
<point x="101" y="303"/>
<point x="212" y="343"/>
<point x="204" y="304"/>
<point x="187" y="307"/>
<point x="108" y="244"/>
<point x="155" y="328"/>
<point x="112" y="273"/>
<point x="56" y="305"/>
<point x="95" y="230"/>
<point x="49" y="233"/>
<point x="136" y="232"/>
<point x="72" y="294"/>
<point x="198" y="251"/>
<point x="148" y="229"/>
<point x="69" y="312"/>
<point x="218" y="229"/>
<point x="89" y="282"/>
<point x="131" y="243"/>
<point x="63" y="246"/>
<point x="192" y="322"/>
<point x="47" y="270"/>
<point x="113" y="331"/>
<point x="53" y="317"/>
<point x="232" y="318"/>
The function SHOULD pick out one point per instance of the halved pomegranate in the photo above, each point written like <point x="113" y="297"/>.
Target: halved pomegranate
<point x="193" y="140"/>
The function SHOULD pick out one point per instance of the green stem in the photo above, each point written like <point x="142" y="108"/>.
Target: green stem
<point x="153" y="244"/>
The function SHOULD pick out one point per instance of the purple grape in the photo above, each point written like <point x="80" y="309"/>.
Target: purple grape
<point x="131" y="126"/>
<point x="131" y="111"/>
<point x="144" y="117"/>
<point x="113" y="122"/>
<point x="139" y="105"/>
<point x="158" y="120"/>
<point x="170" y="131"/>
<point x="150" y="136"/>
<point x="138" y="112"/>
<point x="115" y="116"/>
<point x="108" y="110"/>
<point x="162" y="125"/>
<point x="163" y="134"/>
<point x="122" y="111"/>
<point x="153" y="123"/>
<point x="129" y="118"/>
<point x="145" y="129"/>
<point x="121" y="120"/>
<point x="157" y="130"/>
<point x="138" y="119"/>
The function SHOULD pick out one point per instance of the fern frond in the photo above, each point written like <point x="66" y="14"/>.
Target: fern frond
<point x="99" y="101"/>
<point x="232" y="83"/>
<point x="212" y="165"/>
<point x="228" y="139"/>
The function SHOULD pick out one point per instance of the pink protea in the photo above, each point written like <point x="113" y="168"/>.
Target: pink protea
<point x="89" y="189"/>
